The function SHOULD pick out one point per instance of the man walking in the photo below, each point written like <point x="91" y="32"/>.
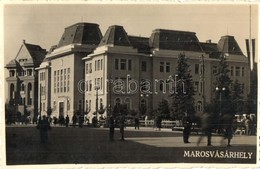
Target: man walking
<point x="206" y="127"/>
<point x="111" y="123"/>
<point x="67" y="121"/>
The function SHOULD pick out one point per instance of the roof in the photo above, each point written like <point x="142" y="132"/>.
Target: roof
<point x="175" y="40"/>
<point x="228" y="44"/>
<point x="81" y="33"/>
<point x="37" y="54"/>
<point x="12" y="64"/>
<point x="115" y="35"/>
<point x="211" y="49"/>
<point x="140" y="43"/>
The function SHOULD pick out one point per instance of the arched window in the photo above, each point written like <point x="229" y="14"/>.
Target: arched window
<point x="117" y="101"/>
<point x="128" y="103"/>
<point x="101" y="103"/>
<point x="22" y="87"/>
<point x="143" y="107"/>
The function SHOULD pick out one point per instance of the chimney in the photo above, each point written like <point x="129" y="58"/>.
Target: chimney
<point x="24" y="41"/>
<point x="208" y="41"/>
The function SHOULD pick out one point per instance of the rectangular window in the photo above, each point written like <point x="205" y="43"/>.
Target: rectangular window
<point x="232" y="71"/>
<point x="214" y="70"/>
<point x="129" y="64"/>
<point x="161" y="66"/>
<point x="86" y="69"/>
<point x="101" y="83"/>
<point x="168" y="67"/>
<point x="237" y="71"/>
<point x="144" y="66"/>
<point x="95" y="65"/>
<point x="243" y="72"/>
<point x="196" y="68"/>
<point x="101" y="64"/>
<point x="90" y="67"/>
<point x="87" y="85"/>
<point x="90" y="85"/>
<point x="68" y="80"/>
<point x="196" y="86"/>
<point x="116" y="64"/>
<point x="123" y="64"/>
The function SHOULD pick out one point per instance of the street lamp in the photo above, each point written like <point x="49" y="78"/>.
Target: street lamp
<point x="220" y="101"/>
<point x="145" y="96"/>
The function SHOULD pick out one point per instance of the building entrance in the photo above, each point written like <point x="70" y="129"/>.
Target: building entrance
<point x="61" y="109"/>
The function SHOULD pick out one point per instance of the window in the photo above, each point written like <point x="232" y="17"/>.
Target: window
<point x="168" y="67"/>
<point x="116" y="64"/>
<point x="144" y="66"/>
<point x="68" y="80"/>
<point x="117" y="101"/>
<point x="87" y="85"/>
<point x="90" y="67"/>
<point x="162" y="85"/>
<point x="54" y="105"/>
<point x="86" y="69"/>
<point x="232" y="71"/>
<point x="90" y="85"/>
<point x="123" y="64"/>
<point x="243" y="72"/>
<point x="196" y="86"/>
<point x="101" y="64"/>
<point x="215" y="70"/>
<point x="161" y="66"/>
<point x="95" y="65"/>
<point x="129" y="64"/>
<point x="101" y="83"/>
<point x="80" y="105"/>
<point x="196" y="68"/>
<point x="86" y="106"/>
<point x="89" y="105"/>
<point x="199" y="106"/>
<point x="237" y="71"/>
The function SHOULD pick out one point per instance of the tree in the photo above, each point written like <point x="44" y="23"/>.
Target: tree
<point x="223" y="83"/>
<point x="183" y="98"/>
<point x="120" y="109"/>
<point x="238" y="105"/>
<point x="163" y="109"/>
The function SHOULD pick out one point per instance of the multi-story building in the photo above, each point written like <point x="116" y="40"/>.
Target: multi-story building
<point x="86" y="72"/>
<point x="147" y="64"/>
<point x="23" y="78"/>
<point x="65" y="69"/>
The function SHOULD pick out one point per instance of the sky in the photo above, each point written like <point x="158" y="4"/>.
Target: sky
<point x="43" y="24"/>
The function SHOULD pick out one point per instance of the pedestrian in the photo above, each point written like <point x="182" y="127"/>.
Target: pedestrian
<point x="74" y="120"/>
<point x="81" y="120"/>
<point x="122" y="126"/>
<point x="146" y="121"/>
<point x="136" y="123"/>
<point x="206" y="127"/>
<point x="159" y="122"/>
<point x="247" y="125"/>
<point x="227" y="121"/>
<point x="111" y="123"/>
<point x="44" y="127"/>
<point x="187" y="128"/>
<point x="67" y="121"/>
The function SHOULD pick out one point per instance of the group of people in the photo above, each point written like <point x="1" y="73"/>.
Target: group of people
<point x="112" y="124"/>
<point x="207" y="125"/>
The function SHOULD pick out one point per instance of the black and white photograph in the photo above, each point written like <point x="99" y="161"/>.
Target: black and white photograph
<point x="152" y="83"/>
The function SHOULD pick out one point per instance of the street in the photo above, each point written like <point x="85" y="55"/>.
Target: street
<point x="92" y="146"/>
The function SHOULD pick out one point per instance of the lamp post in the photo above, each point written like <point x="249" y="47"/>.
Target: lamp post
<point x="220" y="102"/>
<point x="145" y="96"/>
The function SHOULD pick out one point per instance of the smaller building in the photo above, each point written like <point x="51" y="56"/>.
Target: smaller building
<point x="23" y="78"/>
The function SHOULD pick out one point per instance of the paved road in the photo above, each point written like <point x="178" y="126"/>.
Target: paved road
<point x="92" y="146"/>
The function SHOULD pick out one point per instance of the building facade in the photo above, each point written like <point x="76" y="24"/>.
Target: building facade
<point x="134" y="70"/>
<point x="23" y="78"/>
<point x="88" y="73"/>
